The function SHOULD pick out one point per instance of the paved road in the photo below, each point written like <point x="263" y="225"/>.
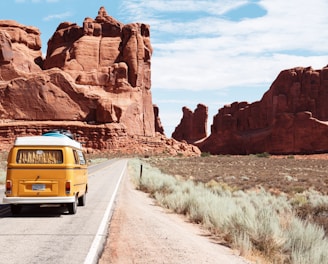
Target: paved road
<point x="51" y="235"/>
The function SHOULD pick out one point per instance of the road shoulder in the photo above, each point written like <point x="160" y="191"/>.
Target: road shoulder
<point x="141" y="232"/>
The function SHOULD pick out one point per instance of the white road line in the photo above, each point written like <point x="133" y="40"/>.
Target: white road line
<point x="92" y="256"/>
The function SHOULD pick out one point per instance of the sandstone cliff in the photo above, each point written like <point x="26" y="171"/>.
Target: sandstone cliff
<point x="97" y="75"/>
<point x="193" y="125"/>
<point x="291" y="117"/>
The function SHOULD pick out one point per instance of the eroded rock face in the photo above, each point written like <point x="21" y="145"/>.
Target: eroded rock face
<point x="291" y="117"/>
<point x="110" y="138"/>
<point x="6" y="52"/>
<point x="158" y="124"/>
<point x="193" y="125"/>
<point x="103" y="52"/>
<point x="20" y="50"/>
<point x="97" y="73"/>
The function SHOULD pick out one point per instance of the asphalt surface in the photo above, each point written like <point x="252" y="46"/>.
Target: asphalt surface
<point x="51" y="235"/>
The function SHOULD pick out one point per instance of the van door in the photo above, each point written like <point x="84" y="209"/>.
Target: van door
<point x="80" y="175"/>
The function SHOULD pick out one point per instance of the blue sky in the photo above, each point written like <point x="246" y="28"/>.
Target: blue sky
<point x="213" y="52"/>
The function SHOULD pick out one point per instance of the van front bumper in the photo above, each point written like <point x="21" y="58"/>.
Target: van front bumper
<point x="39" y="200"/>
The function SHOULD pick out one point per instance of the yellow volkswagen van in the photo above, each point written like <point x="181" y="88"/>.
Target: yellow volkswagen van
<point x="47" y="169"/>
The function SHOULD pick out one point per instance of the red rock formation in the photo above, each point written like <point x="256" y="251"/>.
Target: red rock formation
<point x="94" y="81"/>
<point x="20" y="50"/>
<point x="158" y="124"/>
<point x="291" y="117"/>
<point x="193" y="125"/>
<point x="96" y="73"/>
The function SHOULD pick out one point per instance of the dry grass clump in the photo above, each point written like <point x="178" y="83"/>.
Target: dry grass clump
<point x="255" y="221"/>
<point x="312" y="206"/>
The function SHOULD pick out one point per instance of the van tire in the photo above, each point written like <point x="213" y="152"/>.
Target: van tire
<point x="72" y="207"/>
<point x="15" y="209"/>
<point x="83" y="200"/>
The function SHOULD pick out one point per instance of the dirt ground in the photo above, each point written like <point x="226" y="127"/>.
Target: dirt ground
<point x="141" y="232"/>
<point x="288" y="174"/>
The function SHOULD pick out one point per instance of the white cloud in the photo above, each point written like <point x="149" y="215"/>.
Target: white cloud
<point x="212" y="53"/>
<point x="136" y="8"/>
<point x="193" y="71"/>
<point x="57" y="16"/>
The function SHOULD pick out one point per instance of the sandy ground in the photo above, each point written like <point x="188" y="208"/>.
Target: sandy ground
<point x="141" y="232"/>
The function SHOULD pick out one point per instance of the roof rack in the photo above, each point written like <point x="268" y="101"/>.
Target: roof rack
<point x="59" y="133"/>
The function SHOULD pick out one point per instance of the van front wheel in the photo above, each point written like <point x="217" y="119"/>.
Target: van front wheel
<point x="72" y="207"/>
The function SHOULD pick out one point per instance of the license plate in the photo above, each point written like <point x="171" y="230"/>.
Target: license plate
<point x="38" y="187"/>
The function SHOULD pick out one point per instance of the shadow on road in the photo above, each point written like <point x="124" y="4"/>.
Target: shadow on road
<point x="34" y="211"/>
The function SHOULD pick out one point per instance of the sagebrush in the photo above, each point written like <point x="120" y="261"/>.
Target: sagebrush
<point x="256" y="222"/>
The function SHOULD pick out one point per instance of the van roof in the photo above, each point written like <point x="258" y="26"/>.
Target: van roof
<point x="46" y="141"/>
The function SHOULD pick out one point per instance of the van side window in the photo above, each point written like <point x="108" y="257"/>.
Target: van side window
<point x="81" y="157"/>
<point x="39" y="156"/>
<point x="76" y="157"/>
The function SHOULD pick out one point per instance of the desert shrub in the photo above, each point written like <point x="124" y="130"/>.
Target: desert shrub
<point x="298" y="189"/>
<point x="175" y="201"/>
<point x="205" y="154"/>
<point x="178" y="200"/>
<point x="242" y="242"/>
<point x="257" y="220"/>
<point x="316" y="198"/>
<point x="220" y="188"/>
<point x="305" y="243"/>
<point x="263" y="155"/>
<point x="309" y="203"/>
<point x="312" y="206"/>
<point x="250" y="221"/>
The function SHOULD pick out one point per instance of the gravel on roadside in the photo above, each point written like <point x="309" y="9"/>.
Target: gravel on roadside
<point x="141" y="232"/>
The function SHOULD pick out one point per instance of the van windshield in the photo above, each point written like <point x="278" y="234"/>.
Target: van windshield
<point x="39" y="156"/>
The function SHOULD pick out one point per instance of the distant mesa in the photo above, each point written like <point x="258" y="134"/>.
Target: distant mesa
<point x="193" y="125"/>
<point x="291" y="118"/>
